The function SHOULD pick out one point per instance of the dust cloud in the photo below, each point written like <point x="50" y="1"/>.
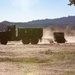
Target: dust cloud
<point x="49" y="38"/>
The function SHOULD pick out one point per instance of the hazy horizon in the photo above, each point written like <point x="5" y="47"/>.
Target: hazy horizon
<point x="36" y="19"/>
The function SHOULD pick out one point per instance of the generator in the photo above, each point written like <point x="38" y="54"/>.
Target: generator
<point x="59" y="37"/>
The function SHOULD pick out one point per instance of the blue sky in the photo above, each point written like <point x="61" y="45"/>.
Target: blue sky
<point x="28" y="10"/>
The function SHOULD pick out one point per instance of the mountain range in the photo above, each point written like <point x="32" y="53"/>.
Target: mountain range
<point x="57" y="22"/>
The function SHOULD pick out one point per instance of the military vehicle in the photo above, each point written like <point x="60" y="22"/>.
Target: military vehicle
<point x="71" y="2"/>
<point x="27" y="35"/>
<point x="59" y="37"/>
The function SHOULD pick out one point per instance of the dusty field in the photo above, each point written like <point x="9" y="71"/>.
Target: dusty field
<point x="41" y="59"/>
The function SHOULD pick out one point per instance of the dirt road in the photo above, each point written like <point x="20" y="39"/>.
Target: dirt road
<point x="41" y="59"/>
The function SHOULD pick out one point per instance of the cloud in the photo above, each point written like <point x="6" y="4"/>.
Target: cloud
<point x="24" y="3"/>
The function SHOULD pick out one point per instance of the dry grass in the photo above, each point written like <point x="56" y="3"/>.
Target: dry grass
<point x="54" y="59"/>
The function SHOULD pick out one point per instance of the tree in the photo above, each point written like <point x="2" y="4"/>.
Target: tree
<point x="71" y="2"/>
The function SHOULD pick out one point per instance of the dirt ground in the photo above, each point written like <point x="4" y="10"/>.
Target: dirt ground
<point x="41" y="59"/>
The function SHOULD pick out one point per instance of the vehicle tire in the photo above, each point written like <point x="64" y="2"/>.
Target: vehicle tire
<point x="25" y="41"/>
<point x="34" y="41"/>
<point x="4" y="41"/>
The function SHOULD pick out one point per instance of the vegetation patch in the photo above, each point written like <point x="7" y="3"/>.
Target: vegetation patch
<point x="47" y="52"/>
<point x="44" y="57"/>
<point x="68" y="73"/>
<point x="65" y="55"/>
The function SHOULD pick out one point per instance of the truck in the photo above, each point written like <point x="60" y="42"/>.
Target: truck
<point x="26" y="35"/>
<point x="59" y="37"/>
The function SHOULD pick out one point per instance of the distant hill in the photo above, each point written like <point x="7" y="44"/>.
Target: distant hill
<point x="59" y="22"/>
